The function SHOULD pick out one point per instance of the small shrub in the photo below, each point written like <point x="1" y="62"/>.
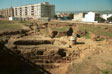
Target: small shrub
<point x="109" y="19"/>
<point x="105" y="72"/>
<point x="89" y="57"/>
<point x="87" y="35"/>
<point x="100" y="39"/>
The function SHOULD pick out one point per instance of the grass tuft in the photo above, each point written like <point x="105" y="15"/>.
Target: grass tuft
<point x="105" y="72"/>
<point x="89" y="57"/>
<point x="87" y="35"/>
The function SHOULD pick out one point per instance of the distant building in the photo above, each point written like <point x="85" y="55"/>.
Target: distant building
<point x="35" y="11"/>
<point x="79" y="17"/>
<point x="7" y="12"/>
<point x="40" y="11"/>
<point x="11" y="18"/>
<point x="62" y="16"/>
<point x="105" y="16"/>
<point x="91" y="17"/>
<point x="86" y="17"/>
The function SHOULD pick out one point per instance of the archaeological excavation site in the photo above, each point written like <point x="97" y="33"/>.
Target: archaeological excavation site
<point x="56" y="48"/>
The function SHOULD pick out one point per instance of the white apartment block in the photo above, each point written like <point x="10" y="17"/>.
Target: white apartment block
<point x="35" y="11"/>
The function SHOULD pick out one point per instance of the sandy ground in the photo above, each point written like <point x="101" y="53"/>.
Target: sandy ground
<point x="95" y="58"/>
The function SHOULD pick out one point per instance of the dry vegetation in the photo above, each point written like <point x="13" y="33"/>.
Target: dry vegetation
<point x="9" y="25"/>
<point x="100" y="30"/>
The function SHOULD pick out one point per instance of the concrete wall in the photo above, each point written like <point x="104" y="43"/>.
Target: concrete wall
<point x="78" y="17"/>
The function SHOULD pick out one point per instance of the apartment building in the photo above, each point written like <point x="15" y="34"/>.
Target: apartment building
<point x="7" y="12"/>
<point x="35" y="11"/>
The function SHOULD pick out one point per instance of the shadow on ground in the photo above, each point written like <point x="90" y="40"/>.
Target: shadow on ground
<point x="80" y="43"/>
<point x="12" y="63"/>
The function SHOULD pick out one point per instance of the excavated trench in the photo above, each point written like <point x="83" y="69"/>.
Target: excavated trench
<point x="6" y="33"/>
<point x="41" y="51"/>
<point x="33" y="42"/>
<point x="48" y="57"/>
<point x="48" y="60"/>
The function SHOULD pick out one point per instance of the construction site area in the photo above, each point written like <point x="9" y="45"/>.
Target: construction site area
<point x="37" y="47"/>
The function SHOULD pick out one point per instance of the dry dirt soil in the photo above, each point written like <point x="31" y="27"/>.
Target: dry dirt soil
<point x="94" y="57"/>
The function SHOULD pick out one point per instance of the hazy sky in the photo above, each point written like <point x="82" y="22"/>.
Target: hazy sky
<point x="63" y="5"/>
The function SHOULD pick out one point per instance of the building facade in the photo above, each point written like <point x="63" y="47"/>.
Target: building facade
<point x="91" y="17"/>
<point x="79" y="17"/>
<point x="9" y="12"/>
<point x="35" y="11"/>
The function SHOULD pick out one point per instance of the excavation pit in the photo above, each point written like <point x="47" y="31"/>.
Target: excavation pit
<point x="33" y="42"/>
<point x="42" y="51"/>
